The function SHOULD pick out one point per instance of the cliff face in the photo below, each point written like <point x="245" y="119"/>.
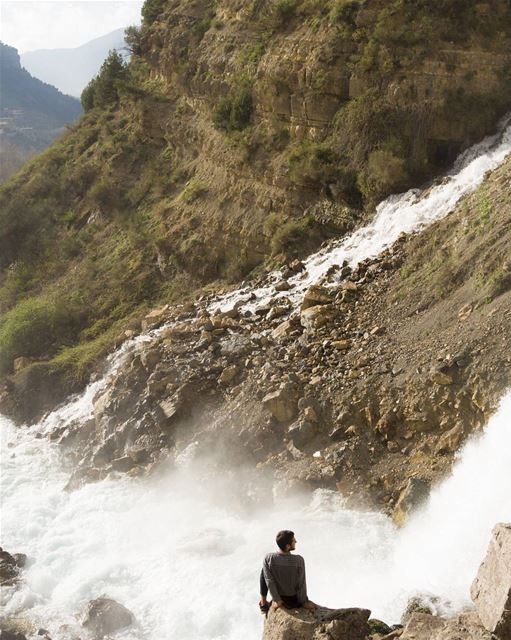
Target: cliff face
<point x="242" y="133"/>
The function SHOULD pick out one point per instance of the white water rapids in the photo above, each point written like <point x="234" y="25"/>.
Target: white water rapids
<point x="183" y="550"/>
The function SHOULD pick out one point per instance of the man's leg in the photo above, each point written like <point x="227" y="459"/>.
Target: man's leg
<point x="263" y="590"/>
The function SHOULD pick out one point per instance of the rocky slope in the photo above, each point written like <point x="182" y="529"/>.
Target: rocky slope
<point x="371" y="388"/>
<point x="243" y="133"/>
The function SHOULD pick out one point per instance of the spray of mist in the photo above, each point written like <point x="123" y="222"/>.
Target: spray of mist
<point x="183" y="550"/>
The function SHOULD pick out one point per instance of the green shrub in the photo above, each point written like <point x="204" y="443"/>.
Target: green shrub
<point x="290" y="236"/>
<point x="36" y="326"/>
<point x="312" y="162"/>
<point x="385" y="174"/>
<point x="103" y="90"/>
<point x="285" y="10"/>
<point x="151" y="10"/>
<point x="193" y="191"/>
<point x="87" y="97"/>
<point x="234" y="112"/>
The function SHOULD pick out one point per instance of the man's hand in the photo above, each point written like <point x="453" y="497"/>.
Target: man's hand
<point x="262" y="602"/>
<point x="309" y="605"/>
<point x="277" y="604"/>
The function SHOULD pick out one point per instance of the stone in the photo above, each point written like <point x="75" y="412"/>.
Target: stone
<point x="337" y="434"/>
<point x="316" y="295"/>
<point x="232" y="310"/>
<point x="321" y="624"/>
<point x="310" y="414"/>
<point x="8" y="568"/>
<point x="124" y="464"/>
<point x="235" y="346"/>
<point x="139" y="455"/>
<point x="154" y="318"/>
<point x="491" y="589"/>
<point x="441" y="378"/>
<point x="413" y="495"/>
<point x="86" y="475"/>
<point x="228" y="375"/>
<point x="20" y="559"/>
<point x="417" y="604"/>
<point x="341" y="345"/>
<point x="277" y="311"/>
<point x="104" y="616"/>
<point x="150" y="358"/>
<point x="315" y="317"/>
<point x="301" y="433"/>
<point x="20" y="363"/>
<point x="449" y="441"/>
<point x="465" y="311"/>
<point x="465" y="626"/>
<point x="283" y="330"/>
<point x="283" y="403"/>
<point x="6" y="634"/>
<point x="377" y="626"/>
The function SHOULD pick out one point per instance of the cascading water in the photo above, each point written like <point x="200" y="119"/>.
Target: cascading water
<point x="183" y="550"/>
<point x="404" y="213"/>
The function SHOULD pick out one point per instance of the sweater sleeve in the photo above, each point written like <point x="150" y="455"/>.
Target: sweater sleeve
<point x="270" y="580"/>
<point x="301" y="593"/>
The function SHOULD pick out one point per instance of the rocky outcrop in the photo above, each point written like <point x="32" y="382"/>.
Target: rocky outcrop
<point x="10" y="567"/>
<point x="491" y="590"/>
<point x="321" y="624"/>
<point x="465" y="626"/>
<point x="104" y="616"/>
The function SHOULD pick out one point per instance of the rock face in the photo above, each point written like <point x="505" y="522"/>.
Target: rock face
<point x="491" y="590"/>
<point x="104" y="616"/>
<point x="322" y="624"/>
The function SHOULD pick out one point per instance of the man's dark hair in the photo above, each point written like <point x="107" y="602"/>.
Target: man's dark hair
<point x="284" y="538"/>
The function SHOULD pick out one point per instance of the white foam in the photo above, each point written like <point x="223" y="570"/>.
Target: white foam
<point x="183" y="551"/>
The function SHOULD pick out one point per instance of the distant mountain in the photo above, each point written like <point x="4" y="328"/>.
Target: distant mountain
<point x="32" y="113"/>
<point x="71" y="69"/>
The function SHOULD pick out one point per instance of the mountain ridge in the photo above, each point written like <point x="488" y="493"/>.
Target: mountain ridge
<point x="33" y="112"/>
<point x="71" y="68"/>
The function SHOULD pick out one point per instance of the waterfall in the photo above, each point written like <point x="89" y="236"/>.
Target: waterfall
<point x="404" y="213"/>
<point x="183" y="550"/>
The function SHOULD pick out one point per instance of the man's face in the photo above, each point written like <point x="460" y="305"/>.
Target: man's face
<point x="293" y="544"/>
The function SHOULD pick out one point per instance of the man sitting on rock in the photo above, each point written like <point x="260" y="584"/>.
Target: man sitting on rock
<point x="283" y="575"/>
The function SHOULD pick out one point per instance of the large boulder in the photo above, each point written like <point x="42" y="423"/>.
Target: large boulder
<point x="321" y="624"/>
<point x="316" y="295"/>
<point x="104" y="616"/>
<point x="10" y="566"/>
<point x="465" y="626"/>
<point x="283" y="403"/>
<point x="491" y="590"/>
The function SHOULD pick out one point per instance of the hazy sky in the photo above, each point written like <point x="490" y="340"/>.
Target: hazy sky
<point x="44" y="24"/>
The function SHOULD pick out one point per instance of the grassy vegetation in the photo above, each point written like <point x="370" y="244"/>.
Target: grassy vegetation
<point x="110" y="220"/>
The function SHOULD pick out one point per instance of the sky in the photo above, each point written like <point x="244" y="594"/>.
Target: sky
<point x="53" y="24"/>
